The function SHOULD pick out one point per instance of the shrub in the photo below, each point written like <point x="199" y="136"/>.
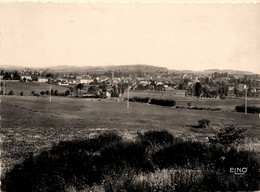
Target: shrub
<point x="107" y="163"/>
<point x="11" y="92"/>
<point x="67" y="93"/>
<point x="32" y="92"/>
<point x="141" y="100"/>
<point x="250" y="109"/>
<point x="56" y="92"/>
<point x="152" y="138"/>
<point x="204" y="123"/>
<point x="21" y="94"/>
<point x="184" y="154"/>
<point x="229" y="135"/>
<point x="42" y="92"/>
<point x="73" y="163"/>
<point x="163" y="102"/>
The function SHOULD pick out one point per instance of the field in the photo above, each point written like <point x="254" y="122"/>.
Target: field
<point x="33" y="124"/>
<point x="181" y="100"/>
<point x="27" y="88"/>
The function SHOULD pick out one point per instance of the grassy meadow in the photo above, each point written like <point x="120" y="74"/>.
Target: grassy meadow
<point x="32" y="125"/>
<point x="27" y="88"/>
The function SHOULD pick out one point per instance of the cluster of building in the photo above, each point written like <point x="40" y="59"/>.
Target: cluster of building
<point x="161" y="81"/>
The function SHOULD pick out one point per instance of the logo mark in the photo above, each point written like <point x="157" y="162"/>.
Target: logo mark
<point x="238" y="170"/>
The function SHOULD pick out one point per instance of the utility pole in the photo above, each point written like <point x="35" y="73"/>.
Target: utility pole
<point x="4" y="87"/>
<point x="127" y="97"/>
<point x="0" y="86"/>
<point x="246" y="102"/>
<point x="50" y="94"/>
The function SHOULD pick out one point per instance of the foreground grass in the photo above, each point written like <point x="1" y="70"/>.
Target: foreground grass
<point x="155" y="161"/>
<point x="32" y="124"/>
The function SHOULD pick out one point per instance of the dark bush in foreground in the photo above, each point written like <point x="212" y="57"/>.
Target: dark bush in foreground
<point x="109" y="163"/>
<point x="152" y="138"/>
<point x="204" y="123"/>
<point x="229" y="135"/>
<point x="250" y="109"/>
<point x="163" y="102"/>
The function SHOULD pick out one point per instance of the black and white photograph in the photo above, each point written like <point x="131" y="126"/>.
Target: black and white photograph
<point x="129" y="96"/>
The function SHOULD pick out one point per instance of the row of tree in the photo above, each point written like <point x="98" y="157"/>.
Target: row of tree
<point x="199" y="90"/>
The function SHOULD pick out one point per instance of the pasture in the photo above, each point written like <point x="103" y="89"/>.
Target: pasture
<point x="27" y="87"/>
<point x="32" y="124"/>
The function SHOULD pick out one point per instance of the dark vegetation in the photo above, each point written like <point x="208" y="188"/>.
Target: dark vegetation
<point x="162" y="102"/>
<point x="229" y="135"/>
<point x="250" y="109"/>
<point x="199" y="108"/>
<point x="140" y="99"/>
<point x="204" y="123"/>
<point x="11" y="92"/>
<point x="114" y="164"/>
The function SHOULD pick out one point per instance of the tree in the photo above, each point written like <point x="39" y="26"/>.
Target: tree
<point x="16" y="76"/>
<point x="71" y="90"/>
<point x="11" y="92"/>
<point x="56" y="92"/>
<point x="204" y="123"/>
<point x="229" y="135"/>
<point x="7" y="76"/>
<point x="42" y="92"/>
<point x="103" y="86"/>
<point x="114" y="92"/>
<point x="32" y="92"/>
<point x="236" y="91"/>
<point x="49" y="75"/>
<point x="93" y="89"/>
<point x="67" y="92"/>
<point x="21" y="94"/>
<point x="34" y="77"/>
<point x="198" y="89"/>
<point x="80" y="86"/>
<point x="47" y="92"/>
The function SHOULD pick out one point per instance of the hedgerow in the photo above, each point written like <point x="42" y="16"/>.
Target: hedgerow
<point x="250" y="109"/>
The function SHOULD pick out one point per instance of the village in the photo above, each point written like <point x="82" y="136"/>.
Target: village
<point x="114" y="83"/>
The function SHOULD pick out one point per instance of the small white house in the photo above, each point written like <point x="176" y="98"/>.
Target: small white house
<point x="26" y="78"/>
<point x="42" y="80"/>
<point x="85" y="81"/>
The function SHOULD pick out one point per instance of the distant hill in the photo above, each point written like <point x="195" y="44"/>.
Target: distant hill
<point x="119" y="68"/>
<point x="230" y="71"/>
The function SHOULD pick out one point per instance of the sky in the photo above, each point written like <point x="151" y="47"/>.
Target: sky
<point x="177" y="36"/>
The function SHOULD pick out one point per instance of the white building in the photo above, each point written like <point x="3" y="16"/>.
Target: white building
<point x="42" y="80"/>
<point x="26" y="78"/>
<point x="85" y="81"/>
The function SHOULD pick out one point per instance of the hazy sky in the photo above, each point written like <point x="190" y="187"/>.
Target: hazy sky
<point x="177" y="36"/>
